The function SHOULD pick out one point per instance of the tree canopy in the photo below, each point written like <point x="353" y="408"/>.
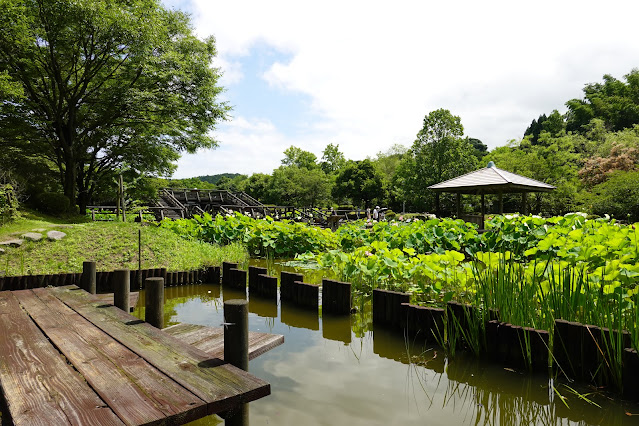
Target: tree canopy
<point x="613" y="101"/>
<point x="294" y="156"/>
<point x="438" y="153"/>
<point x="361" y="182"/>
<point x="92" y="86"/>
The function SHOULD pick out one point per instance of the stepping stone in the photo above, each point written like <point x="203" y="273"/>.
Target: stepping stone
<point x="32" y="236"/>
<point x="38" y="230"/>
<point x="56" y="235"/>
<point x="12" y="243"/>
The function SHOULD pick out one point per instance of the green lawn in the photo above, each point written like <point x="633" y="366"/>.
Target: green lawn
<point x="112" y="245"/>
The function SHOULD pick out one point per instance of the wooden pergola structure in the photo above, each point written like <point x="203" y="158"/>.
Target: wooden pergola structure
<point x="490" y="180"/>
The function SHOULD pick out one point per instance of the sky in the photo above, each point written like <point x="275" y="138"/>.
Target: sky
<point x="364" y="74"/>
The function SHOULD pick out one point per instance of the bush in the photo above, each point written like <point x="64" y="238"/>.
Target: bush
<point x="390" y="215"/>
<point x="618" y="196"/>
<point x="8" y="203"/>
<point x="52" y="203"/>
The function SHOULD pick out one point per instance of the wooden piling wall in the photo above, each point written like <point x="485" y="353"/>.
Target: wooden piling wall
<point x="387" y="307"/>
<point x="104" y="282"/>
<point x="287" y="283"/>
<point x="336" y="297"/>
<point x="253" y="272"/>
<point x="265" y="286"/>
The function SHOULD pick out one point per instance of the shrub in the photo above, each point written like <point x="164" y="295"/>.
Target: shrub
<point x="8" y="203"/>
<point x="52" y="202"/>
<point x="618" y="196"/>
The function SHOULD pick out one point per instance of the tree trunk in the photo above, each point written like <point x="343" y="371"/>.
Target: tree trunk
<point x="70" y="176"/>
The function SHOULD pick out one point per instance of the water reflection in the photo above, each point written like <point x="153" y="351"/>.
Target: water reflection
<point x="351" y="374"/>
<point x="263" y="307"/>
<point x="337" y="328"/>
<point x="298" y="317"/>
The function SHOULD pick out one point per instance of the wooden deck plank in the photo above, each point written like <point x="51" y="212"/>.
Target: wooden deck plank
<point x="135" y="390"/>
<point x="211" y="339"/>
<point x="107" y="298"/>
<point x="39" y="387"/>
<point x="221" y="385"/>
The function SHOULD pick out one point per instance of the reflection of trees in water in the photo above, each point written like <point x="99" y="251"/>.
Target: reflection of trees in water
<point x="490" y="395"/>
<point x="179" y="295"/>
<point x="362" y="320"/>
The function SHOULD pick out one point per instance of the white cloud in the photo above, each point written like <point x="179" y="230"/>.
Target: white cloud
<point x="373" y="69"/>
<point x="247" y="147"/>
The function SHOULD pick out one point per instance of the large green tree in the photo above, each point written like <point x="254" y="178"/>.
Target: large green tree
<point x="439" y="153"/>
<point x="360" y="181"/>
<point x="299" y="187"/>
<point x="332" y="159"/>
<point x="294" y="156"/>
<point x="96" y="85"/>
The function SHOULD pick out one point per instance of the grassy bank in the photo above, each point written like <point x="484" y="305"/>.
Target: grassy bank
<point x="111" y="245"/>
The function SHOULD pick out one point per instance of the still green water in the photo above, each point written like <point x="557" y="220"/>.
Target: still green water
<point x="341" y="371"/>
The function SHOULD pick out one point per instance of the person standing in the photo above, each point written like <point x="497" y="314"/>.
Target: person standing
<point x="376" y="213"/>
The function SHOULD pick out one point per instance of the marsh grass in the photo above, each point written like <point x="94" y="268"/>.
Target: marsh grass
<point x="112" y="245"/>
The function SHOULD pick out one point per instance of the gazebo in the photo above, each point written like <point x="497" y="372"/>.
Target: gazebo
<point x="490" y="180"/>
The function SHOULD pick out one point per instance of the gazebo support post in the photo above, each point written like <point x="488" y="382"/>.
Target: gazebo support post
<point x="458" y="204"/>
<point x="524" y="203"/>
<point x="437" y="211"/>
<point x="483" y="210"/>
<point x="501" y="203"/>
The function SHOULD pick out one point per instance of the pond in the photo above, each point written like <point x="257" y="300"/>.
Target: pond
<point x="341" y="371"/>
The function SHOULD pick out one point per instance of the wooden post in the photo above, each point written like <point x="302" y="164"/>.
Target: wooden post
<point x="154" y="301"/>
<point x="117" y="205"/>
<point x="501" y="203"/>
<point x="122" y="289"/>
<point x="236" y="350"/>
<point x="122" y="196"/>
<point x="458" y="204"/>
<point x="226" y="266"/>
<point x="88" y="277"/>
<point x="139" y="258"/>
<point x="93" y="215"/>
<point x="483" y="211"/>
<point x="524" y="203"/>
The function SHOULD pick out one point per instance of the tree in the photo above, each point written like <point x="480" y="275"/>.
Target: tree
<point x="299" y="187"/>
<point x="361" y="182"/>
<point x="332" y="159"/>
<point x="597" y="169"/>
<point x="613" y="101"/>
<point x="618" y="196"/>
<point x="439" y="153"/>
<point x="258" y="186"/>
<point x="479" y="148"/>
<point x="553" y="124"/>
<point x="294" y="156"/>
<point x="104" y="84"/>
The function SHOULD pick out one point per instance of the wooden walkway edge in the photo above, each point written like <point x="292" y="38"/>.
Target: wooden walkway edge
<point x="211" y="339"/>
<point x="66" y="357"/>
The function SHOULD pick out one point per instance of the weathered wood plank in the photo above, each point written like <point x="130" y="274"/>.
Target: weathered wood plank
<point x="107" y="298"/>
<point x="211" y="339"/>
<point x="221" y="385"/>
<point x="136" y="391"/>
<point x="39" y="387"/>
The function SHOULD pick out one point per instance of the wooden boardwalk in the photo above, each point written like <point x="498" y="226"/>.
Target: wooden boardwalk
<point x="211" y="339"/>
<point x="107" y="299"/>
<point x="67" y="358"/>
